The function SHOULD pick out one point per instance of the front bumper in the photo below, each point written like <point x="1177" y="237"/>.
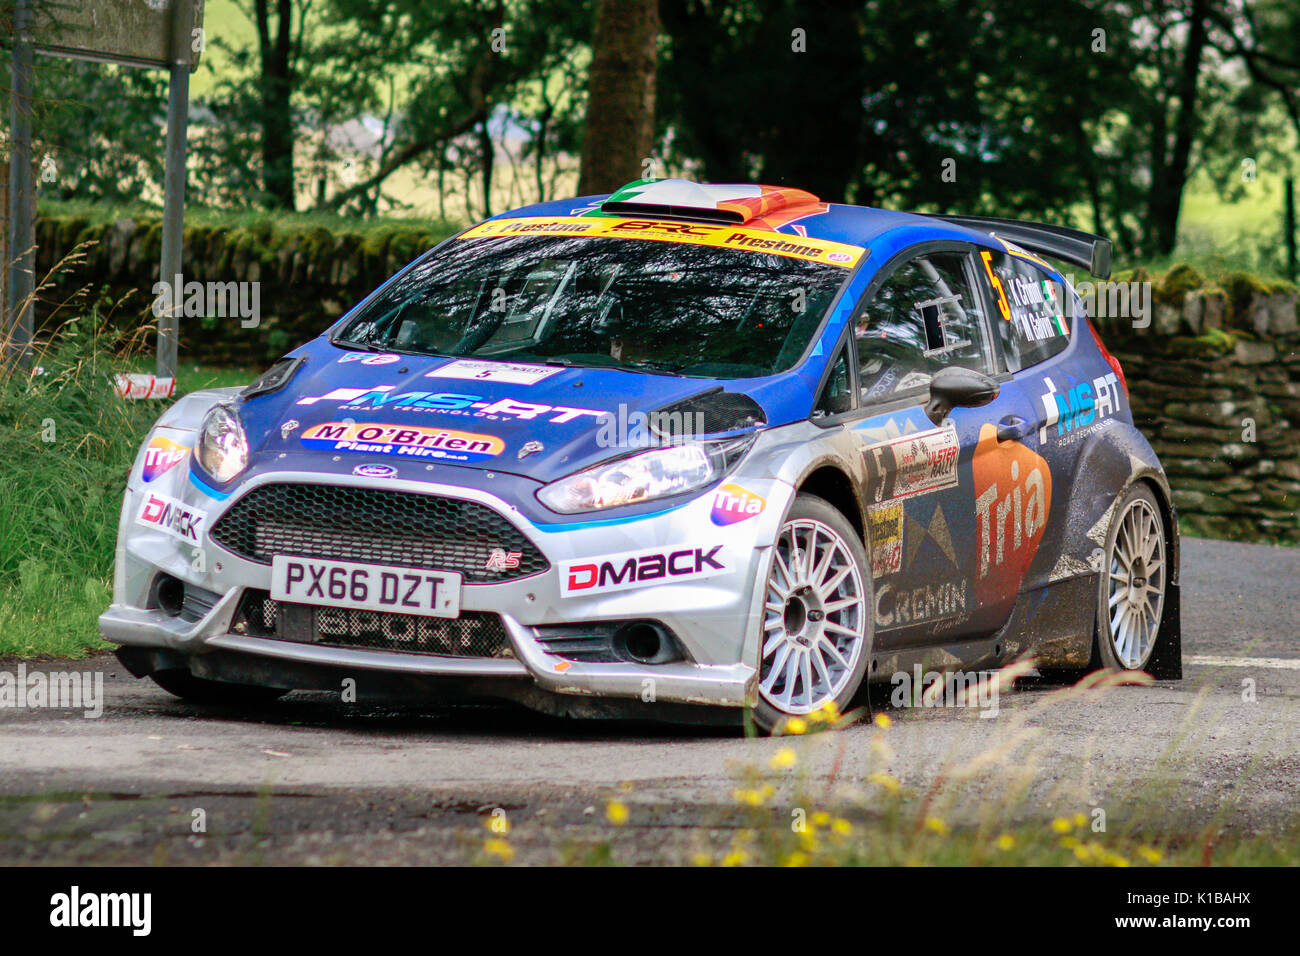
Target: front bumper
<point x="710" y="617"/>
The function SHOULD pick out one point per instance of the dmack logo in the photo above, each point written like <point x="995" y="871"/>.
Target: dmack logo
<point x="383" y="396"/>
<point x="732" y="503"/>
<point x="617" y="572"/>
<point x="174" y="517"/>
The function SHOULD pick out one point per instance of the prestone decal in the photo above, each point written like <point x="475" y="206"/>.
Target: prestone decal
<point x="701" y="234"/>
<point x="416" y="441"/>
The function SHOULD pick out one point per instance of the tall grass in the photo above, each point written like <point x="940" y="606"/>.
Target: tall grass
<point x="69" y="441"/>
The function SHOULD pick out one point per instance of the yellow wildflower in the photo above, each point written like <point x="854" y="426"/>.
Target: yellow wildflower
<point x="783" y="759"/>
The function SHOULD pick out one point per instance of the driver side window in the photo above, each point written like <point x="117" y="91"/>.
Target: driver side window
<point x="923" y="317"/>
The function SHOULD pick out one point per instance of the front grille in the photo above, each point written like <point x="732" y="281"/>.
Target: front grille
<point x="473" y="634"/>
<point x="380" y="527"/>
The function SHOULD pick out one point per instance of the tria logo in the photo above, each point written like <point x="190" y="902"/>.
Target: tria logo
<point x="160" y="456"/>
<point x="1013" y="495"/>
<point x="617" y="572"/>
<point x="732" y="503"/>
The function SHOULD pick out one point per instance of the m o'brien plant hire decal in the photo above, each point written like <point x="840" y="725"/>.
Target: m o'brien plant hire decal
<point x="416" y="441"/>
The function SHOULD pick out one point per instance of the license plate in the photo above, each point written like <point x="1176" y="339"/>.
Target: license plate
<point x="365" y="587"/>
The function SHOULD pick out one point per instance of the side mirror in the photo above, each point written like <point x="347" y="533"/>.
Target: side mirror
<point x="955" y="387"/>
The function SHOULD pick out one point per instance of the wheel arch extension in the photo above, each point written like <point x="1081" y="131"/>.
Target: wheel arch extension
<point x="830" y="483"/>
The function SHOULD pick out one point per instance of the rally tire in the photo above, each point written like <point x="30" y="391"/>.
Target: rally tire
<point x="1134" y="582"/>
<point x="815" y="630"/>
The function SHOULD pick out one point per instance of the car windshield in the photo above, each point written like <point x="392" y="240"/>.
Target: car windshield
<point x="663" y="307"/>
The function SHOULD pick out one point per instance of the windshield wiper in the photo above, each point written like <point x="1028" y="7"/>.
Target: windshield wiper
<point x="668" y="368"/>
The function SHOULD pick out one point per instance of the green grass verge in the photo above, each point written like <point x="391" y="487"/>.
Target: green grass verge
<point x="70" y="442"/>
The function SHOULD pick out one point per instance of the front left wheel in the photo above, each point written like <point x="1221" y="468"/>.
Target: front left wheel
<point x="816" y="635"/>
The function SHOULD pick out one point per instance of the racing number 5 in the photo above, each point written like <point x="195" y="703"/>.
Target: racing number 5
<point x="1003" y="305"/>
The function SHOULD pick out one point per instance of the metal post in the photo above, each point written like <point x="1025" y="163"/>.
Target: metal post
<point x="21" y="287"/>
<point x="178" y="98"/>
<point x="1289" y="205"/>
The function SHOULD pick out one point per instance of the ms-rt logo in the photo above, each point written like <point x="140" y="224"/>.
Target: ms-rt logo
<point x="1077" y="406"/>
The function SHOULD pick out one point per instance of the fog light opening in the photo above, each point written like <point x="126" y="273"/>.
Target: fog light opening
<point x="646" y="643"/>
<point x="170" y="594"/>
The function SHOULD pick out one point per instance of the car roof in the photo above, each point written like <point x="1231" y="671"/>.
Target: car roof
<point x="775" y="208"/>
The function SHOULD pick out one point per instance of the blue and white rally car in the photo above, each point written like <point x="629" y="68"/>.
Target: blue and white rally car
<point x="682" y="445"/>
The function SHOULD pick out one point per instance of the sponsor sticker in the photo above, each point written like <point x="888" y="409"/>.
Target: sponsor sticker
<point x="1013" y="497"/>
<point x="161" y="456"/>
<point x="449" y="403"/>
<point x="938" y="601"/>
<point x="511" y="373"/>
<point x="700" y="234"/>
<point x="885" y="528"/>
<point x="732" y="503"/>
<point x="416" y="441"/>
<point x="634" y="569"/>
<point x="1074" y="409"/>
<point x="173" y="517"/>
<point x="911" y="465"/>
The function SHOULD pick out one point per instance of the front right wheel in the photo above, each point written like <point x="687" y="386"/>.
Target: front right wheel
<point x="1133" y="587"/>
<point x="817" y="627"/>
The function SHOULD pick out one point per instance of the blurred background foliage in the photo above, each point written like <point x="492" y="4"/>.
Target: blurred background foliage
<point x="1168" y="125"/>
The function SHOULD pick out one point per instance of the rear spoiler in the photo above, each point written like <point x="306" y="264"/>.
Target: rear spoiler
<point x="1074" y="246"/>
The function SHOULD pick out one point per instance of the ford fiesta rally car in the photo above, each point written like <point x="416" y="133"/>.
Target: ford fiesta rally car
<point x="682" y="445"/>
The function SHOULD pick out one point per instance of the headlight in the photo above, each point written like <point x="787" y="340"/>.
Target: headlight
<point x="223" y="448"/>
<point x="646" y="476"/>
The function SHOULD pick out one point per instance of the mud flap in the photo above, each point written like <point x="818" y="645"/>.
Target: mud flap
<point x="1166" y="661"/>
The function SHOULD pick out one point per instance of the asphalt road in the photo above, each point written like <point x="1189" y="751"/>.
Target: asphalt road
<point x="311" y="780"/>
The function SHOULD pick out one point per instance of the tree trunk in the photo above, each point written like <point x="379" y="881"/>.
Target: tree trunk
<point x="277" y="111"/>
<point x="619" y="131"/>
<point x="1169" y="170"/>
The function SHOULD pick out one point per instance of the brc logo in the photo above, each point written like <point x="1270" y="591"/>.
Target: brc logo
<point x="733" y="503"/>
<point x="501" y="560"/>
<point x="618" y="572"/>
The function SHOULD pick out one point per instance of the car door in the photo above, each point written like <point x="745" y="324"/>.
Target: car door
<point x="946" y="516"/>
<point x="1033" y="316"/>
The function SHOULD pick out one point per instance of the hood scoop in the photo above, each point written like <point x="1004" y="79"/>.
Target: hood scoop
<point x="709" y="413"/>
